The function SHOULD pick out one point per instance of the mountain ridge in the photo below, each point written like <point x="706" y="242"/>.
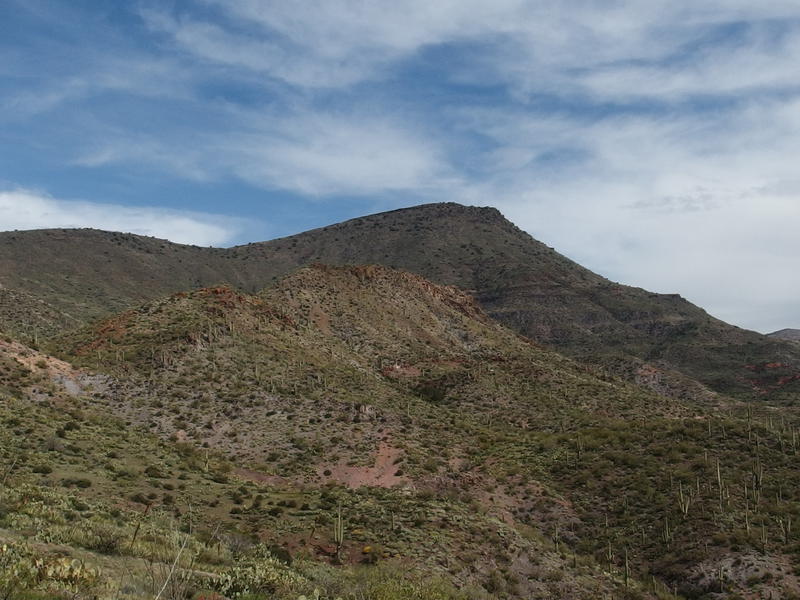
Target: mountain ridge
<point x="518" y="281"/>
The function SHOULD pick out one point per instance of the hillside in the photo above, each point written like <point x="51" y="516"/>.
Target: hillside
<point x="354" y="337"/>
<point x="497" y="457"/>
<point x="87" y="273"/>
<point x="658" y="340"/>
<point x="94" y="507"/>
<point x="269" y="415"/>
<point x="793" y="335"/>
<point x="31" y="318"/>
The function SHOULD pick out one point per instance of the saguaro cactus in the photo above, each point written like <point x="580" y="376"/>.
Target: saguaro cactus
<point x="338" y="532"/>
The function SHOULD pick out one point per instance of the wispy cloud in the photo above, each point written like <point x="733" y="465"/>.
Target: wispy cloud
<point x="335" y="154"/>
<point x="620" y="49"/>
<point x="26" y="209"/>
<point x="314" y="153"/>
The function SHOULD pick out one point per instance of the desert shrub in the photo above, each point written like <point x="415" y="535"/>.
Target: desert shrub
<point x="154" y="472"/>
<point x="22" y="570"/>
<point x="140" y="498"/>
<point x="105" y="539"/>
<point x="261" y="575"/>
<point x="80" y="482"/>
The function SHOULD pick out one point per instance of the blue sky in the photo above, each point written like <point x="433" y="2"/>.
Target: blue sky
<point x="654" y="142"/>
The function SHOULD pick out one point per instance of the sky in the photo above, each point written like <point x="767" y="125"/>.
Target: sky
<point x="656" y="143"/>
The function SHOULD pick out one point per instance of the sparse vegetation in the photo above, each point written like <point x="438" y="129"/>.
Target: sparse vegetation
<point x="358" y="432"/>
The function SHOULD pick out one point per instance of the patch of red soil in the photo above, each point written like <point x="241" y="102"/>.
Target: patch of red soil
<point x="112" y="329"/>
<point x="383" y="474"/>
<point x="788" y="379"/>
<point x="221" y="300"/>
<point x="223" y="295"/>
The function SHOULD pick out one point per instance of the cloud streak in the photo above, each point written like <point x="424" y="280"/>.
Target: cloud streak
<point x="307" y="152"/>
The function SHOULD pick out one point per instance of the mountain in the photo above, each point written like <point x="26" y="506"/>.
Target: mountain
<point x="793" y="335"/>
<point x="545" y="296"/>
<point x="658" y="340"/>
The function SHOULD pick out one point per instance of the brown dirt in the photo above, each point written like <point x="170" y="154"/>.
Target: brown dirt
<point x="383" y="474"/>
<point x="321" y="319"/>
<point x="399" y="371"/>
<point x="72" y="380"/>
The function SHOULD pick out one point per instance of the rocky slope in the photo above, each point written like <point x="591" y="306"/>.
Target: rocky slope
<point x="31" y="318"/>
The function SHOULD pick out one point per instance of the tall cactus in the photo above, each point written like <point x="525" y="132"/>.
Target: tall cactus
<point x="684" y="500"/>
<point x="627" y="572"/>
<point x="338" y="532"/>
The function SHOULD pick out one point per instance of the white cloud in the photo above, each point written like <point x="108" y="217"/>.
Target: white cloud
<point x="755" y="61"/>
<point x="183" y="156"/>
<point x="25" y="209"/>
<point x="327" y="44"/>
<point x="77" y="75"/>
<point x="706" y="205"/>
<point x="326" y="154"/>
